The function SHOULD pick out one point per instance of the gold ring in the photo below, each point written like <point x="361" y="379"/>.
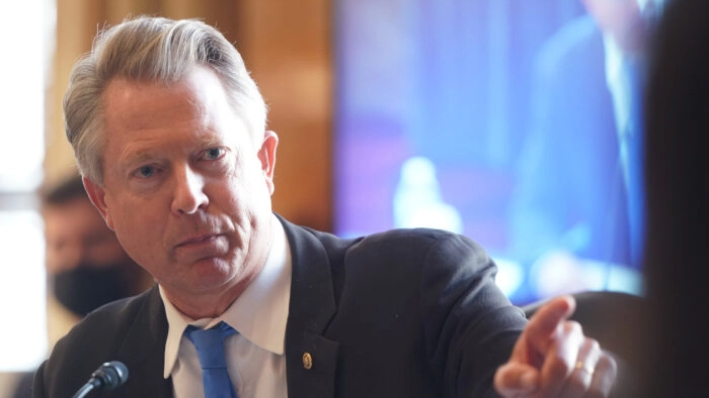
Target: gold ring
<point x="580" y="365"/>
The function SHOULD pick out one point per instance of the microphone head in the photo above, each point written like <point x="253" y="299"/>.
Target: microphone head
<point x="111" y="374"/>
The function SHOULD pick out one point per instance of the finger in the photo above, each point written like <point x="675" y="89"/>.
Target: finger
<point x="579" y="381"/>
<point x="603" y="377"/>
<point x="545" y="323"/>
<point x="513" y="379"/>
<point x="561" y="358"/>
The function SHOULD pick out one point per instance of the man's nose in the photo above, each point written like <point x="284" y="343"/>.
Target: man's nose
<point x="189" y="194"/>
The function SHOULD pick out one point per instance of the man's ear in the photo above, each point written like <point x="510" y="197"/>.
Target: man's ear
<point x="267" y="156"/>
<point x="97" y="195"/>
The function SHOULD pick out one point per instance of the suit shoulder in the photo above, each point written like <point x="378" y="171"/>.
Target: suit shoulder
<point x="337" y="247"/>
<point x="418" y="252"/>
<point x="115" y="316"/>
<point x="418" y="240"/>
<point x="126" y="330"/>
<point x="409" y="243"/>
<point x="100" y="333"/>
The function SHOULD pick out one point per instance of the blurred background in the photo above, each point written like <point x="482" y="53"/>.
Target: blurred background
<point x="492" y="118"/>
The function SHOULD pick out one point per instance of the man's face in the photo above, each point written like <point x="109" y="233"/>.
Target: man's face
<point x="76" y="234"/>
<point x="185" y="189"/>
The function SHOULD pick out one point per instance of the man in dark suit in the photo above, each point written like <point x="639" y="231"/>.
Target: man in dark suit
<point x="169" y="132"/>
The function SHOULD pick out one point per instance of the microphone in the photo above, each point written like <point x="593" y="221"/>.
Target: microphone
<point x="107" y="377"/>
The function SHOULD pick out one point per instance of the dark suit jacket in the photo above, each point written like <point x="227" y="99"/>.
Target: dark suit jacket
<point x="407" y="313"/>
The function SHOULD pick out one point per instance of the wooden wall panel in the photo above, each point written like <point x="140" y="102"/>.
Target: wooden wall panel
<point x="75" y="26"/>
<point x="287" y="46"/>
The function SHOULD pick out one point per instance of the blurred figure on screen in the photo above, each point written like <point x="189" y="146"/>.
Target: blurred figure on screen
<point x="418" y="201"/>
<point x="86" y="265"/>
<point x="579" y="205"/>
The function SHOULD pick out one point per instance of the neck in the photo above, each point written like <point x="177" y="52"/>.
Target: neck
<point x="211" y="304"/>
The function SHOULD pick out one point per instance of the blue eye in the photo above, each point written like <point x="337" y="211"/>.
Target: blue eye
<point x="146" y="171"/>
<point x="214" y="153"/>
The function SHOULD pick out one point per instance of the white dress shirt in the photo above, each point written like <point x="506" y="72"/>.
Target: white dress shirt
<point x="255" y="354"/>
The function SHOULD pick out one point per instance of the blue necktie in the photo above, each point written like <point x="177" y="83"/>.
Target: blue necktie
<point x="210" y="350"/>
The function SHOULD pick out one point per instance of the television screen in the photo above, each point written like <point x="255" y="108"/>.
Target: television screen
<point x="512" y="123"/>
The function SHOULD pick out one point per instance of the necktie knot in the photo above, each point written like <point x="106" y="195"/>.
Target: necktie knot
<point x="210" y="351"/>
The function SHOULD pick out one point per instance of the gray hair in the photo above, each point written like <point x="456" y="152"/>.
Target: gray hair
<point x="151" y="49"/>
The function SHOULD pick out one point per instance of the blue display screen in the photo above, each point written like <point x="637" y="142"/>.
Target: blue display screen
<point x="513" y="123"/>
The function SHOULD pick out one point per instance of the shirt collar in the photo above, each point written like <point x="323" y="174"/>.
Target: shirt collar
<point x="260" y="314"/>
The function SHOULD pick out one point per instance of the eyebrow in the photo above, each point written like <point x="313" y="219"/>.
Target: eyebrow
<point x="207" y="141"/>
<point x="142" y="155"/>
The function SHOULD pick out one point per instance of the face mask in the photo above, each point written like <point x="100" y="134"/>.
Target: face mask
<point x="85" y="288"/>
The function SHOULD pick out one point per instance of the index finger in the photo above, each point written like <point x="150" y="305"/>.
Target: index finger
<point x="545" y="323"/>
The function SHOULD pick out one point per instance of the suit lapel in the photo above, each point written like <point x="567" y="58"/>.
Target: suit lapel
<point x="143" y="352"/>
<point x="311" y="359"/>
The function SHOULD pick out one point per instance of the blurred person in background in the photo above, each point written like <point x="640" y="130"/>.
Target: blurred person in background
<point x="86" y="265"/>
